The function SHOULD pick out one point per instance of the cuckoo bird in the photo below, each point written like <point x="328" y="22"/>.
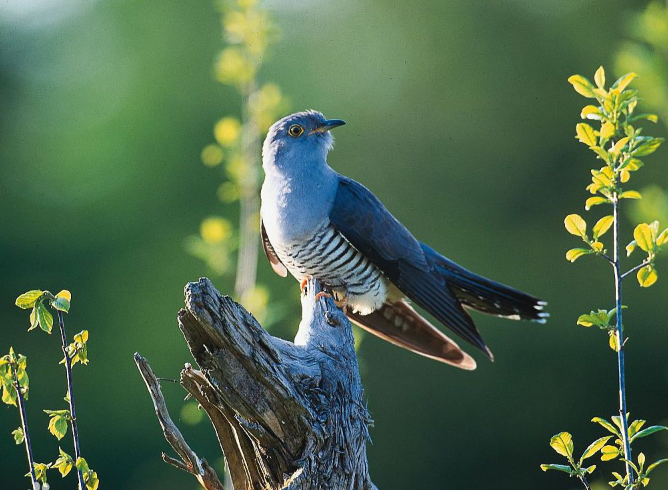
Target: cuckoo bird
<point x="316" y="222"/>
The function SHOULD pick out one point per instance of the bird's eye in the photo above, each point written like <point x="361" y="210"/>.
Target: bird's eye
<point x="295" y="130"/>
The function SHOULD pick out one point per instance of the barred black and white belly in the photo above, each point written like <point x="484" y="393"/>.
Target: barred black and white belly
<point x="328" y="256"/>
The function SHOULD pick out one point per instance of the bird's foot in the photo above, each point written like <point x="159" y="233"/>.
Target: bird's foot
<point x="302" y="285"/>
<point x="322" y="294"/>
<point x="342" y="302"/>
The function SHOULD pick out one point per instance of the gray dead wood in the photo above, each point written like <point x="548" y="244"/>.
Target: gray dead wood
<point x="287" y="415"/>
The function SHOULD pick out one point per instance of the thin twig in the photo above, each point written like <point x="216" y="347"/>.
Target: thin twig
<point x="620" y="337"/>
<point x="584" y="481"/>
<point x="26" y="433"/>
<point x="190" y="462"/>
<point x="639" y="266"/>
<point x="70" y="396"/>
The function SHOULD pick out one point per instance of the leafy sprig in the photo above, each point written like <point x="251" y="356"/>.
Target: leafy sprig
<point x="612" y="134"/>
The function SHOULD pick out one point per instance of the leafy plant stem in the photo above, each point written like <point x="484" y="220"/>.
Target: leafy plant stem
<point x="639" y="266"/>
<point x="26" y="433"/>
<point x="249" y="200"/>
<point x="620" y="336"/>
<point x="70" y="396"/>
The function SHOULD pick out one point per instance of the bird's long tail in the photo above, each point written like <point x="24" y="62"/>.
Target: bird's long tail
<point x="398" y="323"/>
<point x="488" y="296"/>
<point x="447" y="288"/>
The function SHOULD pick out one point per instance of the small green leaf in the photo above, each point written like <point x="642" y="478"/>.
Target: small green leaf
<point x="617" y="149"/>
<point x="643" y="237"/>
<point x="582" y="86"/>
<point x="585" y="320"/>
<point x="585" y="134"/>
<point x="40" y="471"/>
<point x="594" y="447"/>
<point x="648" y="147"/>
<point x="607" y="130"/>
<point x="61" y="304"/>
<point x="591" y="112"/>
<point x="609" y="452"/>
<point x="575" y="225"/>
<point x="34" y="323"/>
<point x="595" y="201"/>
<point x="28" y="299"/>
<point x="602" y="226"/>
<point x="648" y="431"/>
<point x="599" y="77"/>
<point x="58" y="422"/>
<point x="632" y="164"/>
<point x="630" y="195"/>
<point x="624" y="81"/>
<point x="18" y="435"/>
<point x="64" y="463"/>
<point x="557" y="467"/>
<point x="575" y="253"/>
<point x="45" y="318"/>
<point x="562" y="443"/>
<point x="612" y="342"/>
<point x="662" y="238"/>
<point x="654" y="465"/>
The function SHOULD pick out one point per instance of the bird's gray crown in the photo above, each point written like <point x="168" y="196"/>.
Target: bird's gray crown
<point x="298" y="138"/>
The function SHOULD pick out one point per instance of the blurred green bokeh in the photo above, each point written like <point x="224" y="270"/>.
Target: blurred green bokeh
<point x="459" y="118"/>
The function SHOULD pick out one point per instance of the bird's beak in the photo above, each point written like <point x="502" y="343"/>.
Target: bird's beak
<point x="328" y="125"/>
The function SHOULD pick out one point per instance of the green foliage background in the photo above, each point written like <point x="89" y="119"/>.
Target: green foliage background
<point x="459" y="118"/>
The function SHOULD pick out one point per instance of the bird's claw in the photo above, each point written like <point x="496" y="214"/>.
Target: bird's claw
<point x="322" y="294"/>
<point x="302" y="285"/>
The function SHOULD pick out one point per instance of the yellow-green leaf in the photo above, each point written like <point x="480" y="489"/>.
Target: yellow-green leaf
<point x="562" y="443"/>
<point x="599" y="77"/>
<point x="602" y="226"/>
<point x="630" y="248"/>
<point x="575" y="253"/>
<point x="28" y="299"/>
<point x="630" y="195"/>
<point x="594" y="447"/>
<point x="624" y="81"/>
<point x="643" y="236"/>
<point x="662" y="238"/>
<point x="647" y="276"/>
<point x="582" y="86"/>
<point x="591" y="112"/>
<point x="44" y="318"/>
<point x="607" y="130"/>
<point x="595" y="201"/>
<point x="585" y="134"/>
<point x="616" y="150"/>
<point x="632" y="164"/>
<point x="597" y="247"/>
<point x="609" y="452"/>
<point x="575" y="225"/>
<point x="648" y="147"/>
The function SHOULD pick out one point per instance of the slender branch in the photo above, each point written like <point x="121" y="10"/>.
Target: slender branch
<point x="249" y="242"/>
<point x="70" y="396"/>
<point x="620" y="336"/>
<point x="26" y="433"/>
<point x="609" y="259"/>
<point x="639" y="266"/>
<point x="584" y="481"/>
<point x="190" y="462"/>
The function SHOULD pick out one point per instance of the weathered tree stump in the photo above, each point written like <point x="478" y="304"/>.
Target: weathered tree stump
<point x="287" y="415"/>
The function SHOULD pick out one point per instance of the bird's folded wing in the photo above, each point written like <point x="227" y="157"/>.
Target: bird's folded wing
<point x="275" y="262"/>
<point x="365" y="222"/>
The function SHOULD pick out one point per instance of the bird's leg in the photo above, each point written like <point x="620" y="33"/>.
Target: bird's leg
<point x="341" y="300"/>
<point x="322" y="294"/>
<point x="302" y="285"/>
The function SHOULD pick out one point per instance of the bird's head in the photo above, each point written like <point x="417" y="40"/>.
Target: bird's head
<point x="299" y="139"/>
